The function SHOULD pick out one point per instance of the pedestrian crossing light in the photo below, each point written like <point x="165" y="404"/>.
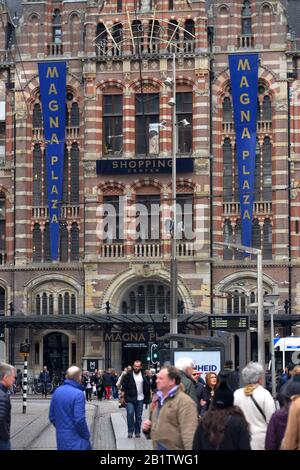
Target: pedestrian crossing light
<point x="148" y="357"/>
<point x="154" y="354"/>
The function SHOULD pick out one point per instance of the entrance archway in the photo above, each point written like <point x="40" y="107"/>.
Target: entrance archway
<point x="56" y="353"/>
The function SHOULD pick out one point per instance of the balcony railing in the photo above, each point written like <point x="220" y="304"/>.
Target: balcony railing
<point x="185" y="249"/>
<point x="112" y="250"/>
<point x="54" y="49"/>
<point x="151" y="250"/>
<point x="260" y="208"/>
<point x="245" y="41"/>
<point x="42" y="212"/>
<point x="71" y="133"/>
<point x="262" y="126"/>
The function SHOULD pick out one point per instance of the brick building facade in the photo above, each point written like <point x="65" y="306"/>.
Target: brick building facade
<point x="118" y="57"/>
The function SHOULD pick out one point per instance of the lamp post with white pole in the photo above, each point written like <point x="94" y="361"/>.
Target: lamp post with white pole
<point x="173" y="307"/>
<point x="270" y="302"/>
<point x="260" y="313"/>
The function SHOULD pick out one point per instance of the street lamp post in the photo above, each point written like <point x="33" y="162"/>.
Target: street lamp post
<point x="173" y="306"/>
<point x="260" y="313"/>
<point x="272" y="299"/>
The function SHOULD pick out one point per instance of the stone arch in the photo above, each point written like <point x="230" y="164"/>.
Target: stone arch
<point x="146" y="182"/>
<point x="116" y="289"/>
<point x="224" y="7"/>
<point x="153" y="83"/>
<point x="32" y="15"/>
<point x="268" y="5"/>
<point x="110" y="83"/>
<point x="31" y="286"/>
<point x="108" y="187"/>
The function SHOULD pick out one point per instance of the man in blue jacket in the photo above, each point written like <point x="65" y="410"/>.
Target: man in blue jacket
<point x="67" y="413"/>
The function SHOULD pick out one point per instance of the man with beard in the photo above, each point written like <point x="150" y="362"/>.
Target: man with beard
<point x="136" y="390"/>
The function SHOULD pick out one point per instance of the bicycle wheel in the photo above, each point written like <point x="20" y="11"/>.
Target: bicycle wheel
<point x="38" y="388"/>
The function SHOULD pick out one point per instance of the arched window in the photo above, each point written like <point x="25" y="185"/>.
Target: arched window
<point x="65" y="188"/>
<point x="2" y="301"/>
<point x="67" y="303"/>
<point x="151" y="299"/>
<point x="173" y="35"/>
<point x="161" y="300"/>
<point x="257" y="191"/>
<point x="47" y="254"/>
<point x="117" y="34"/>
<point x="227" y="238"/>
<point x="44" y="304"/>
<point x="227" y="170"/>
<point x="74" y="242"/>
<point x="267" y="109"/>
<point x="238" y="239"/>
<point x="227" y="110"/>
<point x="101" y="39"/>
<point x="189" y="36"/>
<point x="38" y="304"/>
<point x="124" y="308"/>
<point x="56" y="27"/>
<point x="132" y="302"/>
<point x="60" y="304"/>
<point x="73" y="304"/>
<point x="267" y="169"/>
<point x="138" y="36"/>
<point x="141" y="299"/>
<point x="36" y="244"/>
<point x="2" y="229"/>
<point x="267" y="246"/>
<point x="51" y="304"/>
<point x="37" y="176"/>
<point x="153" y="37"/>
<point x="246" y="19"/>
<point x="37" y="120"/>
<point x="74" y="115"/>
<point x="74" y="174"/>
<point x="255" y="234"/>
<point x="64" y="241"/>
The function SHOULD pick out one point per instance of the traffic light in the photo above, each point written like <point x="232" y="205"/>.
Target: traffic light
<point x="154" y="354"/>
<point x="148" y="357"/>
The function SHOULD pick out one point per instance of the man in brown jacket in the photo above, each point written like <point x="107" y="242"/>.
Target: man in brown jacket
<point x="177" y="412"/>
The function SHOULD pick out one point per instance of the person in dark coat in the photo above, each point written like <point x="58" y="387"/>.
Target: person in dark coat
<point x="136" y="389"/>
<point x="279" y="419"/>
<point x="107" y="383"/>
<point x="230" y="375"/>
<point x="67" y="413"/>
<point x="7" y="379"/>
<point x="45" y="380"/>
<point x="186" y="367"/>
<point x="224" y="426"/>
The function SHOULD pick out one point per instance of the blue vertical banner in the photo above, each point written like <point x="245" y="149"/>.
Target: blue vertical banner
<point x="244" y="86"/>
<point x="52" y="77"/>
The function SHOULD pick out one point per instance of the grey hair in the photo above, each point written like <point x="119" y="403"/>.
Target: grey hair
<point x="74" y="373"/>
<point x="6" y="370"/>
<point x="252" y="373"/>
<point x="183" y="363"/>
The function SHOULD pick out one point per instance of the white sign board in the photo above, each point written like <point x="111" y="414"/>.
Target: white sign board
<point x="204" y="361"/>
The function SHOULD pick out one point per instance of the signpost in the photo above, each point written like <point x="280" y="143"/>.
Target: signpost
<point x="24" y="351"/>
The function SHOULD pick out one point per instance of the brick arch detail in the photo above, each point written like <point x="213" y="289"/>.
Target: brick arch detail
<point x="146" y="182"/>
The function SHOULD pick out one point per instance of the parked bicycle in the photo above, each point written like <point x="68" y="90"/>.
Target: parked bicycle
<point x="38" y="387"/>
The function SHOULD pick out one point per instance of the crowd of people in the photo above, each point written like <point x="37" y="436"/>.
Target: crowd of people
<point x="186" y="412"/>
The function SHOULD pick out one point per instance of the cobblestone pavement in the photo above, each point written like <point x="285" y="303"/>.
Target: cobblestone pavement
<point x="33" y="430"/>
